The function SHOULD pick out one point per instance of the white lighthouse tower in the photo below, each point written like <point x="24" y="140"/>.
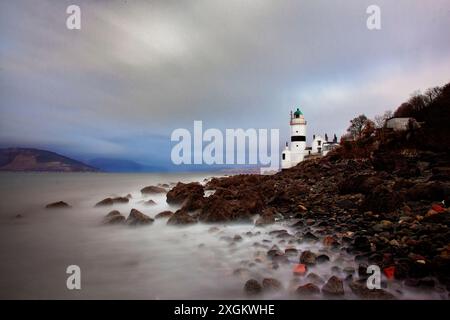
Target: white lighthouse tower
<point x="296" y="150"/>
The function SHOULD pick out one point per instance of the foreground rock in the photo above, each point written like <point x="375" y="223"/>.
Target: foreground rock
<point x="111" y="201"/>
<point x="307" y="257"/>
<point x="333" y="287"/>
<point x="181" y="217"/>
<point x="252" y="287"/>
<point x="267" y="217"/>
<point x="114" y="217"/>
<point x="308" y="290"/>
<point x="149" y="202"/>
<point x="57" y="205"/>
<point x="152" y="190"/>
<point x="362" y="292"/>
<point x="271" y="284"/>
<point x="185" y="191"/>
<point x="138" y="218"/>
<point x="164" y="214"/>
<point x="231" y="205"/>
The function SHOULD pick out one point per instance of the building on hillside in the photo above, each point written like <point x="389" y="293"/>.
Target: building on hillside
<point x="401" y="124"/>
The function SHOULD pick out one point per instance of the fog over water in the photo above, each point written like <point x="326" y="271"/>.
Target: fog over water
<point x="148" y="262"/>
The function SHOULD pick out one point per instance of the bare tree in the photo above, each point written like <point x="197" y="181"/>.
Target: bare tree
<point x="356" y="126"/>
<point x="432" y="93"/>
<point x="380" y="120"/>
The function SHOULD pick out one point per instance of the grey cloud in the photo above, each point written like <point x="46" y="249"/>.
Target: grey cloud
<point x="142" y="68"/>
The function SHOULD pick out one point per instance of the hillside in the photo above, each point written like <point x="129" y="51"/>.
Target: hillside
<point x="26" y="159"/>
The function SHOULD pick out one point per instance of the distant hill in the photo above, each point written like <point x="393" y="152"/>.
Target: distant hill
<point x="123" y="165"/>
<point x="27" y="159"/>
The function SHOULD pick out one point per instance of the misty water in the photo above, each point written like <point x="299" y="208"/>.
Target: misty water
<point x="147" y="262"/>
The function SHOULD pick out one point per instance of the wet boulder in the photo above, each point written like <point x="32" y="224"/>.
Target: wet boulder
<point x="432" y="191"/>
<point x="333" y="287"/>
<point x="359" y="183"/>
<point x="181" y="217"/>
<point x="307" y="257"/>
<point x="361" y="291"/>
<point x="314" y="278"/>
<point x="149" y="202"/>
<point x="138" y="218"/>
<point x="57" y="205"/>
<point x="267" y="217"/>
<point x="323" y="258"/>
<point x="182" y="191"/>
<point x="252" y="287"/>
<point x="164" y="214"/>
<point x="231" y="205"/>
<point x="114" y="217"/>
<point x="271" y="284"/>
<point x="330" y="241"/>
<point x="152" y="190"/>
<point x="361" y="243"/>
<point x="308" y="290"/>
<point x="382" y="199"/>
<point x="309" y="236"/>
<point x="105" y="202"/>
<point x="193" y="202"/>
<point x="111" y="201"/>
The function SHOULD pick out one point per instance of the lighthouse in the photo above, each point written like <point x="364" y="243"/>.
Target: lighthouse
<point x="295" y="150"/>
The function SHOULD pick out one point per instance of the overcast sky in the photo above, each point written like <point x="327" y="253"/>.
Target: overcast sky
<point x="139" y="69"/>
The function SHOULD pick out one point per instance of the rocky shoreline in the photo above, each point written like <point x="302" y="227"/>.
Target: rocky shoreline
<point x="393" y="216"/>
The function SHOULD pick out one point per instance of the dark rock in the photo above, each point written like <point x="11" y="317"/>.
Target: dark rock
<point x="150" y="202"/>
<point x="121" y="200"/>
<point x="427" y="282"/>
<point x="57" y="205"/>
<point x="252" y="287"/>
<point x="361" y="243"/>
<point x="362" y="271"/>
<point x="227" y="205"/>
<point x="163" y="185"/>
<point x="308" y="289"/>
<point x="267" y="217"/>
<point x="271" y="284"/>
<point x="181" y="217"/>
<point x="152" y="190"/>
<point x="314" y="278"/>
<point x="382" y="199"/>
<point x="362" y="292"/>
<point x="307" y="257"/>
<point x="310" y="237"/>
<point x="138" y="218"/>
<point x="105" y="202"/>
<point x="432" y="191"/>
<point x="182" y="191"/>
<point x="359" y="183"/>
<point x="111" y="201"/>
<point x="291" y="251"/>
<point x="333" y="287"/>
<point x="277" y="255"/>
<point x="164" y="214"/>
<point x="322" y="258"/>
<point x="330" y="241"/>
<point x="114" y="217"/>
